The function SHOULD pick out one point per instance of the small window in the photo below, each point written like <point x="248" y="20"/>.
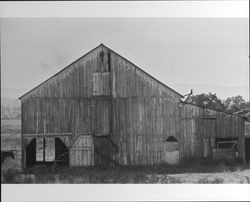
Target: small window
<point x="171" y="139"/>
<point x="226" y="143"/>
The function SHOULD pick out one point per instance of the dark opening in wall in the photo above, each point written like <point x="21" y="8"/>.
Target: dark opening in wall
<point x="31" y="153"/>
<point x="61" y="152"/>
<point x="171" y="139"/>
<point x="109" y="62"/>
<point x="247" y="149"/>
<point x="47" y="151"/>
<point x="226" y="143"/>
<point x="102" y="55"/>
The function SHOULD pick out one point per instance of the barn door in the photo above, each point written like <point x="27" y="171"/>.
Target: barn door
<point x="82" y="152"/>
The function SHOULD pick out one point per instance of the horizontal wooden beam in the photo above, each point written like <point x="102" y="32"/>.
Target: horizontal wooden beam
<point x="200" y="117"/>
<point x="81" y="148"/>
<point x="47" y="134"/>
<point x="207" y="117"/>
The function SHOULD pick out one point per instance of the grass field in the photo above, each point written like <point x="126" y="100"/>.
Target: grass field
<point x="192" y="172"/>
<point x="10" y="126"/>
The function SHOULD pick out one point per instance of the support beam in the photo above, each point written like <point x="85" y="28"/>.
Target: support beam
<point x="44" y="145"/>
<point x="47" y="134"/>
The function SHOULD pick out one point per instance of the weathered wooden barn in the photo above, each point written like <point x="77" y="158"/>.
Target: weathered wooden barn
<point x="104" y="110"/>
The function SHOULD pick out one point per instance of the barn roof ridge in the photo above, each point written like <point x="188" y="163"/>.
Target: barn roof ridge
<point x="101" y="44"/>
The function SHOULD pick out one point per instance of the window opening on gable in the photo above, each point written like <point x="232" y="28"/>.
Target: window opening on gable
<point x="102" y="55"/>
<point x="171" y="139"/>
<point x="109" y="62"/>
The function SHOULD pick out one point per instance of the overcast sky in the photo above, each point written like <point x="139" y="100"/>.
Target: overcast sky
<point x="200" y="53"/>
<point x="211" y="51"/>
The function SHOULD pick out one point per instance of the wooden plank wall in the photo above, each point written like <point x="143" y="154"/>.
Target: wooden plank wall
<point x="146" y="113"/>
<point x="196" y="130"/>
<point x="141" y="126"/>
<point x="65" y="116"/>
<point x="130" y="81"/>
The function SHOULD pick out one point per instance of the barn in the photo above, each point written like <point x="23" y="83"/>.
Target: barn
<point x="103" y="110"/>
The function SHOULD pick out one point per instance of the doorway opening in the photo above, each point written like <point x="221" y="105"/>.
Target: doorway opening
<point x="171" y="150"/>
<point x="47" y="151"/>
<point x="247" y="149"/>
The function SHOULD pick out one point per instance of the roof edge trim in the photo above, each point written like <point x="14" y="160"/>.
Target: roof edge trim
<point x="60" y="71"/>
<point x="144" y="71"/>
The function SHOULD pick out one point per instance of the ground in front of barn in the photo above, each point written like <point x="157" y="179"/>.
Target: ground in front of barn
<point x="193" y="172"/>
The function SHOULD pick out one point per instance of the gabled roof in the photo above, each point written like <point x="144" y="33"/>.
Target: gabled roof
<point x="102" y="45"/>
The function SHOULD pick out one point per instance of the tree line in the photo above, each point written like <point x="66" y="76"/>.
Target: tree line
<point x="235" y="104"/>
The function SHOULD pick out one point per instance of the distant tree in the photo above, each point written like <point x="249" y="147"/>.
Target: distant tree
<point x="207" y="100"/>
<point x="236" y="103"/>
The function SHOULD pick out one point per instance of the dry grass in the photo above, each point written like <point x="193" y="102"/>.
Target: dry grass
<point x="124" y="175"/>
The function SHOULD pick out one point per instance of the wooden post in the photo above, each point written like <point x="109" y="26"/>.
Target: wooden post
<point x="23" y="145"/>
<point x="111" y="96"/>
<point x="44" y="149"/>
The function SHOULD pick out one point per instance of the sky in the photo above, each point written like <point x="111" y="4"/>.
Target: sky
<point x="208" y="54"/>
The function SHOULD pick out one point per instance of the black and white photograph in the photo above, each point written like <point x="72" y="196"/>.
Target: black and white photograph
<point x="125" y="93"/>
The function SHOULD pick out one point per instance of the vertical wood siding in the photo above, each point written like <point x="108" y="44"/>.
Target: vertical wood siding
<point x="66" y="116"/>
<point x="82" y="152"/>
<point x="130" y="81"/>
<point x="200" y="126"/>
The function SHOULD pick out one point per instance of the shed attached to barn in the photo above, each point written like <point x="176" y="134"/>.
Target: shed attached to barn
<point x="104" y="110"/>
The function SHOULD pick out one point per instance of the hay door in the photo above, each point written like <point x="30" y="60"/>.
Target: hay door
<point x="82" y="152"/>
<point x="101" y="83"/>
<point x="171" y="151"/>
